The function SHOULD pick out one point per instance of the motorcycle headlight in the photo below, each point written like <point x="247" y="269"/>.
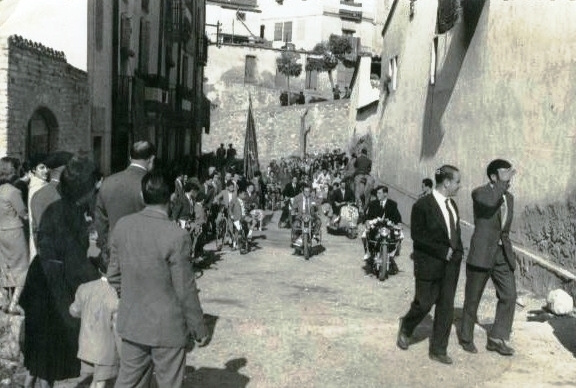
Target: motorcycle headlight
<point x="384" y="232"/>
<point x="306" y="218"/>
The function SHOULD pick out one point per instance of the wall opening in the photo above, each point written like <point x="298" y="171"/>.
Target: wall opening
<point x="42" y="132"/>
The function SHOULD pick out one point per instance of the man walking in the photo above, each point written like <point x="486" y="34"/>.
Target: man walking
<point x="159" y="312"/>
<point x="491" y="256"/>
<point x="437" y="256"/>
<point x="120" y="193"/>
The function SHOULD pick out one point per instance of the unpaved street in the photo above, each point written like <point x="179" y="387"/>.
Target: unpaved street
<point x="280" y="321"/>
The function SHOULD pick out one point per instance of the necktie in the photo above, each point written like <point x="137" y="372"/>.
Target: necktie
<point x="503" y="212"/>
<point x="453" y="237"/>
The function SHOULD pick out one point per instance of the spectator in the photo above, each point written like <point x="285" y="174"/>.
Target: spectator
<point x="120" y="193"/>
<point x="301" y="98"/>
<point x="96" y="304"/>
<point x="13" y="245"/>
<point x="230" y="154"/>
<point x="426" y="187"/>
<point x="48" y="194"/>
<point x="221" y="156"/>
<point x="50" y="333"/>
<point x="39" y="175"/>
<point x="336" y="92"/>
<point x="156" y="322"/>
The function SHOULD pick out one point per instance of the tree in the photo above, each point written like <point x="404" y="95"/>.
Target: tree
<point x="287" y="64"/>
<point x="326" y="55"/>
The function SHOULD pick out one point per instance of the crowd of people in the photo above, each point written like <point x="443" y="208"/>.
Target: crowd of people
<point x="75" y="245"/>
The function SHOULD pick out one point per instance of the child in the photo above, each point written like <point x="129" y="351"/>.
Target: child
<point x="96" y="303"/>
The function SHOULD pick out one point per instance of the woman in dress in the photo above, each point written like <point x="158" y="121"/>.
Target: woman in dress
<point x="62" y="264"/>
<point x="13" y="245"/>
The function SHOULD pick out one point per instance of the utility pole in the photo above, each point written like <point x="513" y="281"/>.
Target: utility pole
<point x="303" y="134"/>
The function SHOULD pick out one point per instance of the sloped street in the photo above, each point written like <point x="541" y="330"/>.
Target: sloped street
<point x="281" y="321"/>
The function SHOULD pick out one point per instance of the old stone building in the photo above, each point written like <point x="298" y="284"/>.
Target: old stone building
<point x="43" y="101"/>
<point x="471" y="81"/>
<point x="146" y="68"/>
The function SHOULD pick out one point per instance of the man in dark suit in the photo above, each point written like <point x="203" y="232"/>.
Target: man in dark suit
<point x="384" y="208"/>
<point x="491" y="256"/>
<point x="437" y="255"/>
<point x="120" y="193"/>
<point x="340" y="196"/>
<point x="159" y="312"/>
<point x="189" y="212"/>
<point x="291" y="190"/>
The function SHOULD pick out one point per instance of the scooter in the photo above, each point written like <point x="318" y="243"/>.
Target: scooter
<point x="346" y="222"/>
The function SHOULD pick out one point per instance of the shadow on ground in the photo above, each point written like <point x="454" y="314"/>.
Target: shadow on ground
<point x="564" y="326"/>
<point x="227" y="377"/>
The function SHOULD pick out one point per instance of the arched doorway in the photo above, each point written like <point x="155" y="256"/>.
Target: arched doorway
<point x="42" y="133"/>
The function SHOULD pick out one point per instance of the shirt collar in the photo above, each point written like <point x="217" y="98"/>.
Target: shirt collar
<point x="139" y="166"/>
<point x="440" y="198"/>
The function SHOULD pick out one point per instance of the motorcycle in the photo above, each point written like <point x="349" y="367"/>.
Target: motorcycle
<point x="346" y="222"/>
<point x="303" y="237"/>
<point x="384" y="239"/>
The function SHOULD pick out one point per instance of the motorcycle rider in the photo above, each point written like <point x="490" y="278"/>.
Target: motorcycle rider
<point x="303" y="204"/>
<point x="363" y="182"/>
<point x="340" y="196"/>
<point x="381" y="208"/>
<point x="290" y="191"/>
<point x="188" y="211"/>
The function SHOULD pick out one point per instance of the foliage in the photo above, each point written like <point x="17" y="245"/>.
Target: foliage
<point x="287" y="64"/>
<point x="339" y="45"/>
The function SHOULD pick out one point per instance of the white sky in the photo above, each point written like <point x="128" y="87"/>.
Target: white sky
<point x="58" y="24"/>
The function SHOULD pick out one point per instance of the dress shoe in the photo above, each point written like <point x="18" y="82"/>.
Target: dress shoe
<point x="498" y="345"/>
<point x="403" y="340"/>
<point x="393" y="270"/>
<point x="469" y="347"/>
<point x="443" y="358"/>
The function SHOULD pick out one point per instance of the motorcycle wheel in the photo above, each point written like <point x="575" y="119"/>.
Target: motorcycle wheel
<point x="383" y="270"/>
<point x="306" y="246"/>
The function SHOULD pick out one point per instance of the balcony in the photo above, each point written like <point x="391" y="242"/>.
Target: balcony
<point x="351" y="15"/>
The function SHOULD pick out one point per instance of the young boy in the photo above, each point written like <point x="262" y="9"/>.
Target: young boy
<point x="96" y="303"/>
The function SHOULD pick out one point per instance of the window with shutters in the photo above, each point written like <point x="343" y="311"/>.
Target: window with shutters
<point x="125" y="35"/>
<point x="144" y="46"/>
<point x="283" y="32"/>
<point x="288" y="32"/>
<point x="250" y="69"/>
<point x="278" y="32"/>
<point x="185" y="71"/>
<point x="99" y="24"/>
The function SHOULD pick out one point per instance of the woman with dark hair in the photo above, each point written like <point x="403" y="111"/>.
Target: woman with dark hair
<point x="13" y="246"/>
<point x="51" y="333"/>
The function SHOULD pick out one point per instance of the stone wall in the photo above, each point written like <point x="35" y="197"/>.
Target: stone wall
<point x="34" y="77"/>
<point x="503" y="89"/>
<point x="277" y="127"/>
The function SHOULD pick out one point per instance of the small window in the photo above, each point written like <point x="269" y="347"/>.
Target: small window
<point x="393" y="73"/>
<point x="433" y="61"/>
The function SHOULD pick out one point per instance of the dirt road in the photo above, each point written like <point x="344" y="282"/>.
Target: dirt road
<point x="281" y="321"/>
